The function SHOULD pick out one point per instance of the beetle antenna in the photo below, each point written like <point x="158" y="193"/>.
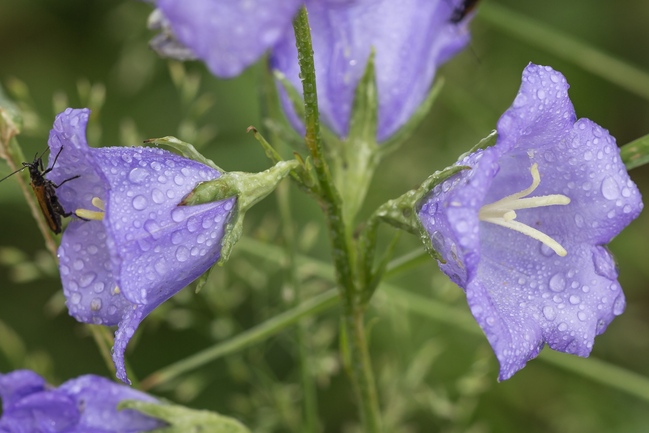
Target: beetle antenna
<point x="11" y="174"/>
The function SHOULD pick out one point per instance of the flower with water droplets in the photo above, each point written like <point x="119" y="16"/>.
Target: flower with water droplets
<point x="411" y="39"/>
<point x="524" y="231"/>
<point x="87" y="404"/>
<point x="132" y="247"/>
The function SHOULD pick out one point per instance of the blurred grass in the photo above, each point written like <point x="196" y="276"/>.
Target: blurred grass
<point x="432" y="377"/>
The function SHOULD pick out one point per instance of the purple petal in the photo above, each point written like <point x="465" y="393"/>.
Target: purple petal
<point x="46" y="411"/>
<point x="229" y="35"/>
<point x="76" y="159"/>
<point x="97" y="399"/>
<point x="411" y="39"/>
<point x="154" y="240"/>
<point x="127" y="326"/>
<point x="90" y="288"/>
<point x="519" y="290"/>
<point x="17" y="385"/>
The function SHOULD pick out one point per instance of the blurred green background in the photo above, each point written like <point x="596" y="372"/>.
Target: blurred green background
<point x="433" y="375"/>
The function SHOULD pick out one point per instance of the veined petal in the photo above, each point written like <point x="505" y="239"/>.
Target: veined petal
<point x="229" y="35"/>
<point x="520" y="291"/>
<point x="145" y="248"/>
<point x="411" y="38"/>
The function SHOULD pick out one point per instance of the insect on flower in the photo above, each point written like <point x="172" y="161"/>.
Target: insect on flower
<point x="45" y="190"/>
<point x="463" y="10"/>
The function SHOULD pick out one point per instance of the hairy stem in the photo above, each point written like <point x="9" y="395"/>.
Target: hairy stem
<point x="343" y="253"/>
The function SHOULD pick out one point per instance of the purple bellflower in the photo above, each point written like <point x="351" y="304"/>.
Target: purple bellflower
<point x="524" y="231"/>
<point x="87" y="404"/>
<point x="411" y="38"/>
<point x="132" y="247"/>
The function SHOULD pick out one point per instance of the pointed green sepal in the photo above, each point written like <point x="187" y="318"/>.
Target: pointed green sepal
<point x="187" y="150"/>
<point x="356" y="157"/>
<point x="182" y="419"/>
<point x="293" y="95"/>
<point x="249" y="188"/>
<point x="486" y="142"/>
<point x="635" y="153"/>
<point x="402" y="212"/>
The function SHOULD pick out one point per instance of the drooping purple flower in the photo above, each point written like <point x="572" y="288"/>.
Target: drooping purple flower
<point x="87" y="404"/>
<point x="524" y="231"/>
<point x="132" y="247"/>
<point x="411" y="39"/>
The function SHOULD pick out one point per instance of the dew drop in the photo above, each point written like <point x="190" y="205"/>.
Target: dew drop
<point x="182" y="253"/>
<point x="574" y="299"/>
<point x="158" y="196"/>
<point x="95" y="304"/>
<point x="86" y="279"/>
<point x="75" y="298"/>
<point x="178" y="214"/>
<point x="546" y="250"/>
<point x="610" y="191"/>
<point x="562" y="326"/>
<point x="98" y="287"/>
<point x="579" y="220"/>
<point x="139" y="202"/>
<point x="557" y="282"/>
<point x="138" y="175"/>
<point x="549" y="312"/>
<point x="582" y="316"/>
<point x="177" y="237"/>
<point x="619" y="305"/>
<point x="604" y="264"/>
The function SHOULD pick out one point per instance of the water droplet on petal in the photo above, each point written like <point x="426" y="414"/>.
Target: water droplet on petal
<point x="139" y="202"/>
<point x="574" y="299"/>
<point x="619" y="305"/>
<point x="610" y="190"/>
<point x="549" y="312"/>
<point x="182" y="253"/>
<point x="178" y="214"/>
<point x="604" y="264"/>
<point x="75" y="298"/>
<point x="95" y="304"/>
<point x="557" y="282"/>
<point x="138" y="175"/>
<point x="562" y="326"/>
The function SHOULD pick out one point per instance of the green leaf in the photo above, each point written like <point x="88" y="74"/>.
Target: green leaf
<point x="187" y="150"/>
<point x="184" y="420"/>
<point x="635" y="153"/>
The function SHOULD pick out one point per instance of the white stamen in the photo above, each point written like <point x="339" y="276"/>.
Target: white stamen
<point x="502" y="212"/>
<point x="94" y="215"/>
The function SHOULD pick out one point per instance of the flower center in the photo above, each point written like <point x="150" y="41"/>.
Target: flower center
<point x="502" y="212"/>
<point x="86" y="214"/>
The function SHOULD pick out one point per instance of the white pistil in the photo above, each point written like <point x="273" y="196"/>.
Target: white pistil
<point x="502" y="212"/>
<point x="87" y="214"/>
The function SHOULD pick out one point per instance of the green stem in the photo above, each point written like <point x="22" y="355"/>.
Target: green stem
<point x="344" y="259"/>
<point x="306" y="376"/>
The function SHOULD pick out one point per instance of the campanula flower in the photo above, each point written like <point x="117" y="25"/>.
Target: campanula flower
<point x="411" y="38"/>
<point x="87" y="404"/>
<point x="131" y="247"/>
<point x="524" y="230"/>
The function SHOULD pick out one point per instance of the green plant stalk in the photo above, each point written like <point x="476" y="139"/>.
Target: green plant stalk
<point x="343" y="255"/>
<point x="306" y="376"/>
<point x="591" y="59"/>
<point x="245" y="339"/>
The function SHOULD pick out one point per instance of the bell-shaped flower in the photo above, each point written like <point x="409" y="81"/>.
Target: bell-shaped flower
<point x="131" y="247"/>
<point x="411" y="39"/>
<point x="87" y="404"/>
<point x="524" y="230"/>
